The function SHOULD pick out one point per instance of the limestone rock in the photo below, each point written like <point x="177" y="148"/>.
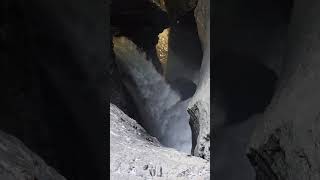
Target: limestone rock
<point x="137" y="155"/>
<point x="202" y="15"/>
<point x="199" y="107"/>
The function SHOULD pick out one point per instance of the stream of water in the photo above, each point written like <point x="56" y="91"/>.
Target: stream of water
<point x="163" y="113"/>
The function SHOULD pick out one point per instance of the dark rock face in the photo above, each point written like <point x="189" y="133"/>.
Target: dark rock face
<point x="178" y="8"/>
<point x="255" y="34"/>
<point x="258" y="29"/>
<point x="246" y="88"/>
<point x="137" y="155"/>
<point x="230" y="147"/>
<point x="186" y="88"/>
<point x="286" y="144"/>
<point x="184" y="50"/>
<point x="269" y="160"/>
<point x="199" y="128"/>
<point x="14" y="74"/>
<point x="141" y="21"/>
<point x="246" y="85"/>
<point x="53" y="82"/>
<point x="18" y="162"/>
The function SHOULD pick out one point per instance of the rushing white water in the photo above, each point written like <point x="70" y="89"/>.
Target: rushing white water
<point x="163" y="114"/>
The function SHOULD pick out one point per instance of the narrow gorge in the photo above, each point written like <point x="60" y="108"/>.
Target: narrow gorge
<point x="161" y="75"/>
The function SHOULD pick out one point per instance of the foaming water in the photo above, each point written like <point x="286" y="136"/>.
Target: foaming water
<point x="163" y="113"/>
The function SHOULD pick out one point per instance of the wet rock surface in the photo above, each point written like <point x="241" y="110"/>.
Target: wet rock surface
<point x="137" y="155"/>
<point x="202" y="15"/>
<point x="118" y="93"/>
<point x="199" y="107"/>
<point x="17" y="162"/>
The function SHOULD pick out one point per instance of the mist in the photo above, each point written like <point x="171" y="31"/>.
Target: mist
<point x="162" y="112"/>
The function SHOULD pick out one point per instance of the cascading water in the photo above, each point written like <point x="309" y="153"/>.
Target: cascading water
<point x="163" y="113"/>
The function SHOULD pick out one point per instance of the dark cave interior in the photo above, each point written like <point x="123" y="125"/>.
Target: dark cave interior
<point x="49" y="89"/>
<point x="241" y="71"/>
<point x="249" y="40"/>
<point x="246" y="85"/>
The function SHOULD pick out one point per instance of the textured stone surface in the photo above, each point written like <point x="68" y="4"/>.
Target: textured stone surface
<point x="17" y="162"/>
<point x="137" y="155"/>
<point x="199" y="107"/>
<point x="286" y="144"/>
<point x="53" y="81"/>
<point x="255" y="28"/>
<point x="202" y="15"/>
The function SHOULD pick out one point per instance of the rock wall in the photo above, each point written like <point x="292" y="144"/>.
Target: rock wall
<point x="248" y="27"/>
<point x="286" y="144"/>
<point x="178" y="8"/>
<point x="53" y="76"/>
<point x="184" y="51"/>
<point x="199" y="107"/>
<point x="18" y="162"/>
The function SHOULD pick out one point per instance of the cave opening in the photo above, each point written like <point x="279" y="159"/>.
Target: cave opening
<point x="174" y="50"/>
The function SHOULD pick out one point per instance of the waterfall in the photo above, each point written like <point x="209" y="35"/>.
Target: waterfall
<point x="163" y="113"/>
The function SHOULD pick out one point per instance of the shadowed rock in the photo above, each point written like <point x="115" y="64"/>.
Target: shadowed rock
<point x="199" y="107"/>
<point x="17" y="162"/>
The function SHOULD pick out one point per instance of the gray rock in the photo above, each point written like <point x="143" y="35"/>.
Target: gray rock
<point x="286" y="144"/>
<point x="199" y="107"/>
<point x="17" y="162"/>
<point x="134" y="154"/>
<point x="202" y="15"/>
